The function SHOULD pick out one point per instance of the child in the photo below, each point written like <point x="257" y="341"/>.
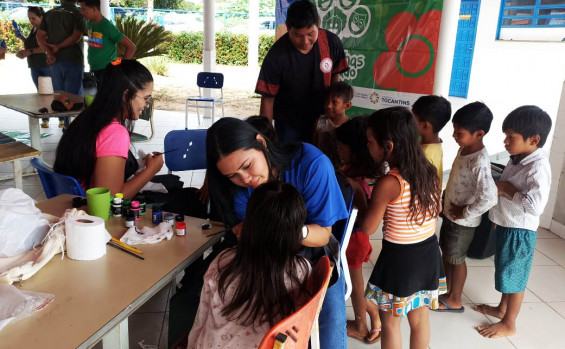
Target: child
<point x="251" y="287"/>
<point x="103" y="38"/>
<point x="469" y="193"/>
<point x="263" y="125"/>
<point x="432" y="113"/>
<point x="338" y="100"/>
<point x="408" y="276"/>
<point x="359" y="167"/>
<point x="523" y="192"/>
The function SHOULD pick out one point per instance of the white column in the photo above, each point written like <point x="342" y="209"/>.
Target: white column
<point x="446" y="46"/>
<point x="209" y="54"/>
<point x="253" y="44"/>
<point x="105" y="8"/>
<point x="149" y="11"/>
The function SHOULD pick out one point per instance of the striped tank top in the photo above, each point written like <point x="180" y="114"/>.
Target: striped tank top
<point x="398" y="226"/>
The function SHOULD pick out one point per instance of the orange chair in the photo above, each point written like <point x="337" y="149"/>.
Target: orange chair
<point x="296" y="329"/>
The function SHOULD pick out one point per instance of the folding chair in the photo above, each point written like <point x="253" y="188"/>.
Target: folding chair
<point x="210" y="81"/>
<point x="147" y="115"/>
<point x="185" y="150"/>
<point x="55" y="183"/>
<point x="298" y="328"/>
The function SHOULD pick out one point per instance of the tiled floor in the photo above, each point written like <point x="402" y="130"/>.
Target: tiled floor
<point x="540" y="323"/>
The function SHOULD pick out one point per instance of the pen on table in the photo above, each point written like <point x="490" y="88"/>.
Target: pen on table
<point x="163" y="152"/>
<point x="123" y="249"/>
<point x="126" y="246"/>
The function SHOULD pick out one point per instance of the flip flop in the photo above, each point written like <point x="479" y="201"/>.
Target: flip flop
<point x="372" y="332"/>
<point x="449" y="308"/>
<point x="355" y="335"/>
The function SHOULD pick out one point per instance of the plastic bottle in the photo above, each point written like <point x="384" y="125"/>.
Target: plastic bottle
<point x="130" y="221"/>
<point x="142" y="204"/>
<point x="126" y="203"/>
<point x="17" y="30"/>
<point x="157" y="214"/>
<point x="181" y="229"/>
<point x="117" y="205"/>
<point x="135" y="209"/>
<point x="169" y="218"/>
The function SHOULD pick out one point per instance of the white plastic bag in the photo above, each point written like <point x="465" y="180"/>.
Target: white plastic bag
<point x="16" y="304"/>
<point x="21" y="223"/>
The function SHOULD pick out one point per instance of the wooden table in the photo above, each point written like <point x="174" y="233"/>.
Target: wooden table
<point x="30" y="103"/>
<point x="14" y="152"/>
<point x="93" y="298"/>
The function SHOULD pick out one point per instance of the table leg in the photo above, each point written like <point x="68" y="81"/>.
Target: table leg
<point x="34" y="134"/>
<point x="17" y="174"/>
<point x="118" y="337"/>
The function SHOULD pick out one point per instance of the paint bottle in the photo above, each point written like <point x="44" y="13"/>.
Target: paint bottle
<point x="142" y="204"/>
<point x="126" y="203"/>
<point x="170" y="218"/>
<point x="135" y="209"/>
<point x="117" y="205"/>
<point x="130" y="221"/>
<point x="17" y="30"/>
<point x="157" y="216"/>
<point x="181" y="229"/>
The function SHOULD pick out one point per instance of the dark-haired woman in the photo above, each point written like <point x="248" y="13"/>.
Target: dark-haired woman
<point x="240" y="159"/>
<point x="95" y="148"/>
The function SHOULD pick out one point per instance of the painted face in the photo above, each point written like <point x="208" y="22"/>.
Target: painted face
<point x="335" y="107"/>
<point x="34" y="20"/>
<point x="303" y="39"/>
<point x="515" y="144"/>
<point x="245" y="168"/>
<point x="141" y="100"/>
<point x="377" y="152"/>
<point x="86" y="11"/>
<point x="463" y="137"/>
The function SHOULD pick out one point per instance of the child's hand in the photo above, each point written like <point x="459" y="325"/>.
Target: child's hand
<point x="154" y="162"/>
<point x="506" y="188"/>
<point x="456" y="211"/>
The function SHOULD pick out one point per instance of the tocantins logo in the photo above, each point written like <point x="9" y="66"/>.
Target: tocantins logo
<point x="374" y="98"/>
<point x="326" y="65"/>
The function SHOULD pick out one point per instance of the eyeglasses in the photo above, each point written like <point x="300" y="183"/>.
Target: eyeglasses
<point x="148" y="100"/>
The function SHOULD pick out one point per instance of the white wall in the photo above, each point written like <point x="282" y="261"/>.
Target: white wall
<point x="504" y="75"/>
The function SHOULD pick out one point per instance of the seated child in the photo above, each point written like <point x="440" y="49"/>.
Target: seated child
<point x="469" y="193"/>
<point x="338" y="100"/>
<point x="523" y="192"/>
<point x="432" y="113"/>
<point x="359" y="169"/>
<point x="263" y="125"/>
<point x="249" y="288"/>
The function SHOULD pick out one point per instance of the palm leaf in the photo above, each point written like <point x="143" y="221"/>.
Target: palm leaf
<point x="150" y="38"/>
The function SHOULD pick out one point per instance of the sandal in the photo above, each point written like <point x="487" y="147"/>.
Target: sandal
<point x="372" y="332"/>
<point x="355" y="335"/>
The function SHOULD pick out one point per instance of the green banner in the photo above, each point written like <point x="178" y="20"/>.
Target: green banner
<point x="391" y="47"/>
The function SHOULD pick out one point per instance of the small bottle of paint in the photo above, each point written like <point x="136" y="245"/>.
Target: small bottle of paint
<point x="170" y="218"/>
<point x="157" y="216"/>
<point x="142" y="204"/>
<point x="130" y="221"/>
<point x="135" y="209"/>
<point x="181" y="229"/>
<point x="117" y="205"/>
<point x="126" y="203"/>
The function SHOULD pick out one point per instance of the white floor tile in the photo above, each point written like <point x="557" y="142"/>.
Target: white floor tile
<point x="546" y="234"/>
<point x="552" y="248"/>
<point x="548" y="283"/>
<point x="541" y="259"/>
<point x="479" y="287"/>
<point x="558" y="306"/>
<point x="538" y="326"/>
<point x="377" y="246"/>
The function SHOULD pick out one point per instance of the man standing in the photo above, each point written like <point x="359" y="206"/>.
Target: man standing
<point x="60" y="35"/>
<point x="296" y="71"/>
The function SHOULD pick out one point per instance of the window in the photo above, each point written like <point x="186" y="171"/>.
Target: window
<point x="517" y="15"/>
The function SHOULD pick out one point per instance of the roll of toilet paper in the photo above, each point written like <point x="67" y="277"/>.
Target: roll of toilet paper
<point x="45" y="85"/>
<point x="86" y="237"/>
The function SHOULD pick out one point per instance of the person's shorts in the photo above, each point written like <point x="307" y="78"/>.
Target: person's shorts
<point x="513" y="259"/>
<point x="454" y="240"/>
<point x="359" y="250"/>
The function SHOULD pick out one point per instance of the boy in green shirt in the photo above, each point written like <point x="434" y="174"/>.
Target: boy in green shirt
<point x="103" y="38"/>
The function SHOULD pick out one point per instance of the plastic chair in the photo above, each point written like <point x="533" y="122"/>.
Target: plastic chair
<point x="210" y="81"/>
<point x="295" y="330"/>
<point x="55" y="183"/>
<point x="147" y="115"/>
<point x="185" y="150"/>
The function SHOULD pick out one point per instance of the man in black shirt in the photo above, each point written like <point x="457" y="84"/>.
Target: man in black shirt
<point x="296" y="71"/>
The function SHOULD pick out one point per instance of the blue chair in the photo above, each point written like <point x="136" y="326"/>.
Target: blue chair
<point x="55" y="183"/>
<point x="209" y="81"/>
<point x="185" y="150"/>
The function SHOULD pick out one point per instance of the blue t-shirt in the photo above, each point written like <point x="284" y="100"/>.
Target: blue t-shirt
<point x="312" y="173"/>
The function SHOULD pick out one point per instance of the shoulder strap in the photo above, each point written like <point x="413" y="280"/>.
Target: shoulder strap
<point x="326" y="63"/>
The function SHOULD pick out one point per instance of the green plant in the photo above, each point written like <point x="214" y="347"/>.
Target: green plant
<point x="187" y="47"/>
<point x="13" y="44"/>
<point x="150" y="38"/>
<point x="157" y="65"/>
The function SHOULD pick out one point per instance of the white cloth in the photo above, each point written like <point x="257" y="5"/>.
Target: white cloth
<point x="148" y="235"/>
<point x="470" y="184"/>
<point x="532" y="179"/>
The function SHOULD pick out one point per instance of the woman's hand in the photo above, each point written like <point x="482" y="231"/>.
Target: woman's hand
<point x="154" y="162"/>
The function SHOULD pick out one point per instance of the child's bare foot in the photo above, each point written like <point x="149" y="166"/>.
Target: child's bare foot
<point x="373" y="336"/>
<point x="354" y="330"/>
<point x="497" y="312"/>
<point x="500" y="329"/>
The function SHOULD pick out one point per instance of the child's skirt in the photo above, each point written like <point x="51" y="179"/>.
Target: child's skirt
<point x="513" y="258"/>
<point x="407" y="277"/>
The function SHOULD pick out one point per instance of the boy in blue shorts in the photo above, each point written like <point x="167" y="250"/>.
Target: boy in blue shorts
<point x="469" y="193"/>
<point x="523" y="192"/>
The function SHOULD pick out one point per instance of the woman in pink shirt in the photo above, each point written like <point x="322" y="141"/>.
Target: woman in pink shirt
<point x="95" y="147"/>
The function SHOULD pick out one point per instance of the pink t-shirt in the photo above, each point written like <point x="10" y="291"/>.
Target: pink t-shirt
<point x="113" y="140"/>
<point x="211" y="329"/>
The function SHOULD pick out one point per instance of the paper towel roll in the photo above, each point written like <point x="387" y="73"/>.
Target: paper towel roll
<point x="45" y="85"/>
<point x="86" y="237"/>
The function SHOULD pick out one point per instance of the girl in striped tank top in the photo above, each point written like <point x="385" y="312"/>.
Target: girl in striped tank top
<point x="408" y="276"/>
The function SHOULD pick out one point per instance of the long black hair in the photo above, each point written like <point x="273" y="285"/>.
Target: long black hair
<point x="397" y="125"/>
<point x="76" y="152"/>
<point x="226" y="136"/>
<point x="354" y="134"/>
<point x="266" y="256"/>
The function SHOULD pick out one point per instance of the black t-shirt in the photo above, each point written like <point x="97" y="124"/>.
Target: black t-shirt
<point x="37" y="59"/>
<point x="296" y="80"/>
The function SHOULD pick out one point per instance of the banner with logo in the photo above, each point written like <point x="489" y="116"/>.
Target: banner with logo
<point x="391" y="47"/>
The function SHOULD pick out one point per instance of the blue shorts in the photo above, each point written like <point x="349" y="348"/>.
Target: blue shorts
<point x="513" y="258"/>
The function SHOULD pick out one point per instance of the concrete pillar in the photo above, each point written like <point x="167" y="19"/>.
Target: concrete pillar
<point x="105" y="8"/>
<point x="209" y="54"/>
<point x="446" y="46"/>
<point x="253" y="45"/>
